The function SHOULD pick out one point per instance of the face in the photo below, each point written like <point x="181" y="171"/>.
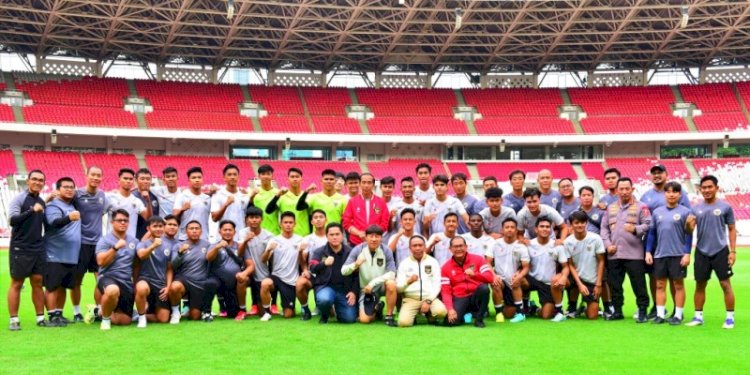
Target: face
<point x="120" y="223"/>
<point x="532" y="203"/>
<point x="329" y="182"/>
<point x="416" y="246"/>
<point x="544" y="229"/>
<point x="672" y="197"/>
<point x="386" y="190"/>
<point x="36" y="182"/>
<point x="367" y="183"/>
<point x="67" y="190"/>
<point x="194" y="231"/>
<point x="451" y="224"/>
<point x="287" y="224"/>
<point x="625" y="191"/>
<point x="144" y="181"/>
<point x="126" y="181"/>
<point x="231" y="177"/>
<point x="545" y="179"/>
<point x="610" y="179"/>
<point x="423" y="175"/>
<point x="227" y="232"/>
<point x="458" y="248"/>
<point x="494" y="204"/>
<point x="318" y="220"/>
<point x="339" y="184"/>
<point x="253" y="222"/>
<point x="295" y="179"/>
<point x="156" y="229"/>
<point x="566" y="188"/>
<point x="658" y="177"/>
<point x="94" y="177"/>
<point x="266" y="178"/>
<point x="489" y="184"/>
<point x="171" y="228"/>
<point x="708" y="189"/>
<point x="516" y="181"/>
<point x="459" y="186"/>
<point x="579" y="227"/>
<point x="334" y="236"/>
<point x="373" y="240"/>
<point x="510" y="231"/>
<point x="170" y="179"/>
<point x="196" y="180"/>
<point x="407" y="189"/>
<point x="475" y="223"/>
<point x="407" y="221"/>
<point x="352" y="186"/>
<point x="440" y="188"/>
<point x="587" y="198"/>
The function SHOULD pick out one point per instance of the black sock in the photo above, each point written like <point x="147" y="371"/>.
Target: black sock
<point x="519" y="308"/>
<point x="525" y="303"/>
<point x="558" y="309"/>
<point x="306" y="308"/>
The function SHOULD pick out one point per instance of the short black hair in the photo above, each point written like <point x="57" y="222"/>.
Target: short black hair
<point x="711" y="178"/>
<point x="194" y="170"/>
<point x="122" y="171"/>
<point x="142" y="171"/>
<point x="578" y="216"/>
<point x="334" y="225"/>
<point x="510" y="220"/>
<point x="230" y="166"/>
<point x="565" y="179"/>
<point x="265" y="168"/>
<point x="387" y="180"/>
<point x="328" y="172"/>
<point x="450" y="214"/>
<point x="253" y="211"/>
<point x="440" y="178"/>
<point x="352" y="176"/>
<point x="450" y="243"/>
<point x="120" y="211"/>
<point x="292" y="170"/>
<point x="407" y="179"/>
<point x="374" y="229"/>
<point x="172" y="217"/>
<point x="612" y="170"/>
<point x="587" y="188"/>
<point x="287" y="214"/>
<point x="194" y="222"/>
<point x="489" y="178"/>
<point x="363" y="175"/>
<point x="423" y="165"/>
<point x="156" y="220"/>
<point x="225" y="222"/>
<point x="458" y="176"/>
<point x="407" y="210"/>
<point x="36" y="171"/>
<point x="168" y="170"/>
<point x="674" y="186"/>
<point x="493" y="192"/>
<point x="318" y="211"/>
<point x="418" y="237"/>
<point x="543" y="219"/>
<point x="625" y="179"/>
<point x="340" y="175"/>
<point x="517" y="171"/>
<point x="59" y="182"/>
<point x="532" y="192"/>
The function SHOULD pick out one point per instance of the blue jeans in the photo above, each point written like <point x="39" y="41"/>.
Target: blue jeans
<point x="327" y="297"/>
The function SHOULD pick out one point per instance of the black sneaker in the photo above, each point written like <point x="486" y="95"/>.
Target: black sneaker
<point x="78" y="318"/>
<point x="42" y="323"/>
<point x="533" y="308"/>
<point x="306" y="314"/>
<point x="479" y="323"/>
<point x="674" y="321"/>
<point x="56" y="322"/>
<point x="652" y="314"/>
<point x="379" y="310"/>
<point x="658" y="320"/>
<point x="208" y="317"/>
<point x="642" y="317"/>
<point x="65" y="320"/>
<point x="390" y="321"/>
<point x="323" y="320"/>
<point x="15" y="326"/>
<point x="614" y="316"/>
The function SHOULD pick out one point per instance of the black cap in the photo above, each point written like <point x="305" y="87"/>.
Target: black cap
<point x="369" y="304"/>
<point x="658" y="167"/>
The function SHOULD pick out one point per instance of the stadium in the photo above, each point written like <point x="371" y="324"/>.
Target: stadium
<point x="480" y="88"/>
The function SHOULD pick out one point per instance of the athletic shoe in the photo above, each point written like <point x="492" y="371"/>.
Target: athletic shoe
<point x="65" y="320"/>
<point x="240" y="316"/>
<point x="78" y="318"/>
<point x="390" y="321"/>
<point x="581" y="310"/>
<point x="142" y="322"/>
<point x="728" y="324"/>
<point x="266" y="317"/>
<point x="635" y="315"/>
<point x="559" y="317"/>
<point x="207" y="317"/>
<point x="533" y="308"/>
<point x="659" y="320"/>
<point x="499" y="318"/>
<point x="617" y="316"/>
<point x="379" y="310"/>
<point x="41" y="323"/>
<point x="15" y="326"/>
<point x="274" y="310"/>
<point x="695" y="322"/>
<point x="57" y="321"/>
<point x="185" y="310"/>
<point x="106" y="325"/>
<point x="571" y="314"/>
<point x="223" y="314"/>
<point x="90" y="315"/>
<point x="254" y="310"/>
<point x="518" y="318"/>
<point x="641" y="317"/>
<point x="651" y="314"/>
<point x="468" y="318"/>
<point x="315" y="311"/>
<point x="479" y="323"/>
<point x="306" y="315"/>
<point x="323" y="320"/>
<point x="674" y="321"/>
<point x="175" y="319"/>
<point x="606" y="314"/>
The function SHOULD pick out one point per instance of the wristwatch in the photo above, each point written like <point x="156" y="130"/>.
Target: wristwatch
<point x="428" y="301"/>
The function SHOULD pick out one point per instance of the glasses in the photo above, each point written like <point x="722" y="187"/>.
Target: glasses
<point x="121" y="221"/>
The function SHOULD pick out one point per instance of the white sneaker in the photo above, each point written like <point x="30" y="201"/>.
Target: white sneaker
<point x="174" y="319"/>
<point x="142" y="322"/>
<point x="695" y="322"/>
<point x="315" y="312"/>
<point x="559" y="317"/>
<point x="728" y="324"/>
<point x="106" y="325"/>
<point x="266" y="317"/>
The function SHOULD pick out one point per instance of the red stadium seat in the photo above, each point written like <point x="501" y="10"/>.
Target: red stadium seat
<point x="285" y="124"/>
<point x="638" y="169"/>
<point x="186" y="120"/>
<point x="6" y="113"/>
<point x="720" y="121"/>
<point x="311" y="170"/>
<point x="79" y="116"/>
<point x="330" y="124"/>
<point x="502" y="170"/>
<point x="633" y="124"/>
<point x="212" y="167"/>
<point x="408" y="102"/>
<point x="514" y="102"/>
<point x="194" y="97"/>
<point x="623" y="100"/>
<point x="278" y="100"/>
<point x="711" y="97"/>
<point x="110" y="165"/>
<point x="326" y="101"/>
<point x="594" y="171"/>
<point x="458" y="167"/>
<point x="523" y="125"/>
<point x="417" y="125"/>
<point x="56" y="165"/>
<point x="86" y="92"/>
<point x="7" y="163"/>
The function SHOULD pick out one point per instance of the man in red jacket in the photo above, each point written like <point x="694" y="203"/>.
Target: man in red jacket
<point x="364" y="210"/>
<point x="465" y="284"/>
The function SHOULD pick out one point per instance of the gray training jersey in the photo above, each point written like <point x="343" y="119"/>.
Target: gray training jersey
<point x="235" y="212"/>
<point x="166" y="199"/>
<point x="544" y="260"/>
<point x="284" y="258"/>
<point x="670" y="230"/>
<point x="402" y="248"/>
<point x="494" y="224"/>
<point x="62" y="243"/>
<point x="198" y="211"/>
<point x="254" y="250"/>
<point x="440" y="209"/>
<point x="583" y="254"/>
<point x="227" y="263"/>
<point x="441" y="251"/>
<point x="154" y="268"/>
<point x="527" y="221"/>
<point x="192" y="265"/>
<point x="712" y="221"/>
<point x="121" y="268"/>
<point x="92" y="208"/>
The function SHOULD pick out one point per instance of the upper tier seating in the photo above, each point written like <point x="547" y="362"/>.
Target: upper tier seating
<point x="56" y="165"/>
<point x="408" y="102"/>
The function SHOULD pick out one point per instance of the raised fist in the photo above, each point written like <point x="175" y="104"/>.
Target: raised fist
<point x="74" y="216"/>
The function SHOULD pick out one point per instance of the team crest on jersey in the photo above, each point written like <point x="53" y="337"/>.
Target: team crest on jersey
<point x="101" y="200"/>
<point x="589" y="247"/>
<point x="203" y="250"/>
<point x="377" y="210"/>
<point x="717" y="212"/>
<point x="134" y="206"/>
<point x="167" y="252"/>
<point x="554" y="200"/>
<point x="154" y="203"/>
<point x="676" y="217"/>
<point x="595" y="217"/>
<point x="380" y="262"/>
<point x="428" y="270"/>
<point x="131" y="246"/>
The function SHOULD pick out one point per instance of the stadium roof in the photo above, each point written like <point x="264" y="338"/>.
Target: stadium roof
<point x="366" y="35"/>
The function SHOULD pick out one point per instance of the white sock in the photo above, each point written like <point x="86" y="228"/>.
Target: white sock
<point x="699" y="314"/>
<point x="76" y="309"/>
<point x="14" y="319"/>
<point x="142" y="318"/>
<point x="660" y="311"/>
<point x="176" y="310"/>
<point x="678" y="312"/>
<point x="39" y="318"/>
<point x="730" y="314"/>
<point x="105" y="319"/>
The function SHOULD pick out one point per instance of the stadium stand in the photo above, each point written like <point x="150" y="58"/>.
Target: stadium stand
<point x="79" y="116"/>
<point x="741" y="205"/>
<point x="285" y="124"/>
<point x="7" y="163"/>
<point x="743" y="88"/>
<point x="514" y="102"/>
<point x="110" y="165"/>
<point x="593" y="171"/>
<point x="417" y="125"/>
<point x="326" y="101"/>
<point x="330" y="124"/>
<point x="408" y="102"/>
<point x="6" y="113"/>
<point x="55" y="165"/>
<point x="180" y="120"/>
<point x="633" y="124"/>
<point x="212" y="167"/>
<point x="503" y="169"/>
<point x="277" y="100"/>
<point x="458" y="167"/>
<point x="638" y="168"/>
<point x="721" y="111"/>
<point x="523" y="125"/>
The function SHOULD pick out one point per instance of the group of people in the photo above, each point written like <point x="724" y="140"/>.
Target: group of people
<point x="426" y="253"/>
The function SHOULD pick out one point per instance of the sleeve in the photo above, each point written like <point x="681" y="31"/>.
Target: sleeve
<point x="599" y="247"/>
<point x="490" y="253"/>
<point x="348" y="217"/>
<point x="645" y="219"/>
<point x="14" y="211"/>
<point x="401" y="277"/>
<point x="523" y="251"/>
<point x="390" y="263"/>
<point x="139" y="206"/>
<point x="177" y="258"/>
<point x="55" y="217"/>
<point x="729" y="216"/>
<point x="684" y="201"/>
<point x="272" y="205"/>
<point x="460" y="207"/>
<point x="485" y="272"/>
<point x="651" y="238"/>
<point x="216" y="202"/>
<point x="604" y="231"/>
<point x="446" y="290"/>
<point x="688" y="244"/>
<point x="556" y="217"/>
<point x="102" y="245"/>
<point x="348" y="267"/>
<point x="302" y="202"/>
<point x="385" y="217"/>
<point x="316" y="260"/>
<point x="562" y="255"/>
<point x="178" y="201"/>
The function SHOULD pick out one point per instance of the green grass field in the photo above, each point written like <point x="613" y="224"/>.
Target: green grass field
<point x="281" y="347"/>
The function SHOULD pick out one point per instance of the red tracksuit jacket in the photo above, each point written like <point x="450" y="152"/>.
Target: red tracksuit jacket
<point x="457" y="284"/>
<point x="355" y="215"/>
